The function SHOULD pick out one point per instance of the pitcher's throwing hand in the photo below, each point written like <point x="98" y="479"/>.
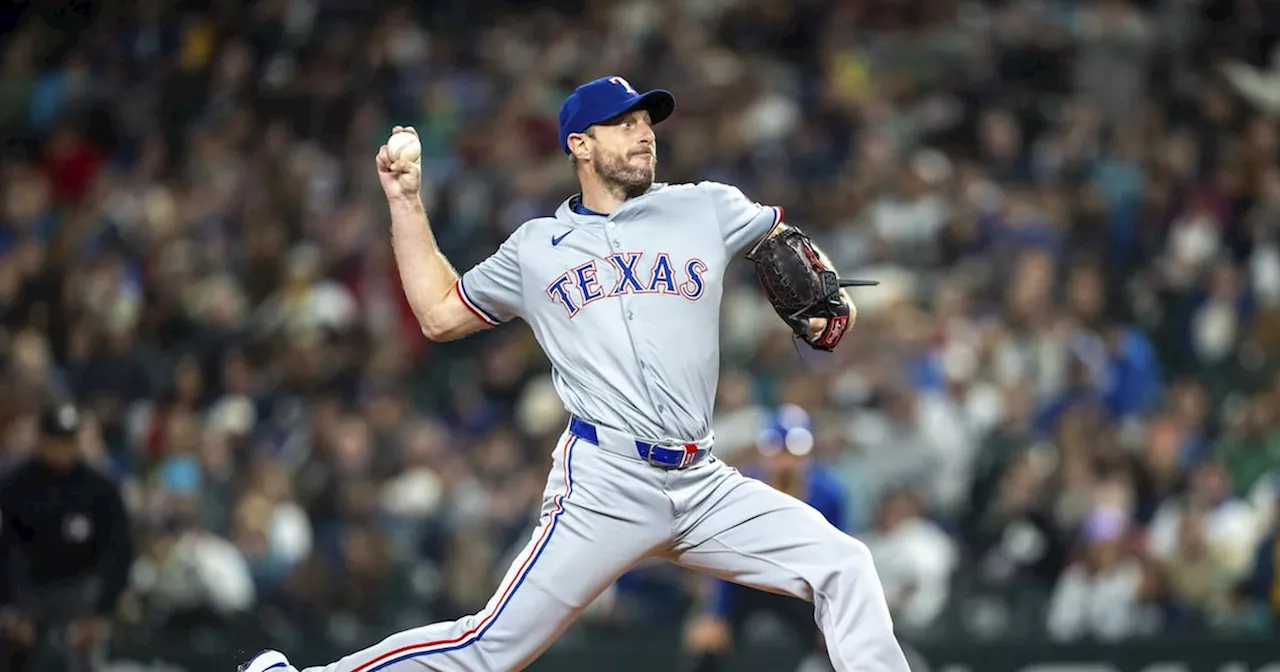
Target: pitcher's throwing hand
<point x="401" y="178"/>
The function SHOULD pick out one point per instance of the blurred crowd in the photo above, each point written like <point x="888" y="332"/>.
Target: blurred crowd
<point x="1059" y="413"/>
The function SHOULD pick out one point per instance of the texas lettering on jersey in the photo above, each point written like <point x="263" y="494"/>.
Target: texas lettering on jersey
<point x="627" y="273"/>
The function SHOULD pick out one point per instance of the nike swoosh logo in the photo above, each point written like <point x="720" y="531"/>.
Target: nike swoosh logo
<point x="555" y="240"/>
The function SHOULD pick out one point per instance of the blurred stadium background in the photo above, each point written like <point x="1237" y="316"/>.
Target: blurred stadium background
<point x="1065" y="389"/>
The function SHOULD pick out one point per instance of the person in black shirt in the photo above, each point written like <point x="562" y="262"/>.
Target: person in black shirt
<point x="65" y="550"/>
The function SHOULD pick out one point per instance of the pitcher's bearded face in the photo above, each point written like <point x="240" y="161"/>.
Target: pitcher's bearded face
<point x="623" y="152"/>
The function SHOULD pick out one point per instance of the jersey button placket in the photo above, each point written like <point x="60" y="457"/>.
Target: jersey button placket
<point x="629" y="313"/>
<point x="612" y="237"/>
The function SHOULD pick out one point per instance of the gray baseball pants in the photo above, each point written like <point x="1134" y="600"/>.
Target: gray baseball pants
<point x="603" y="510"/>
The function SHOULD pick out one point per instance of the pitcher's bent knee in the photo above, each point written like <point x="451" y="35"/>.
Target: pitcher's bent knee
<point x="854" y="615"/>
<point x="849" y="569"/>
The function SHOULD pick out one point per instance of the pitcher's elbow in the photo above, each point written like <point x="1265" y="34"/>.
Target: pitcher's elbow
<point x="433" y="328"/>
<point x="450" y="319"/>
<point x="435" y="332"/>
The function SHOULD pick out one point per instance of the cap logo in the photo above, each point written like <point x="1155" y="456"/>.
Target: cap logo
<point x="624" y="84"/>
<point x="77" y="528"/>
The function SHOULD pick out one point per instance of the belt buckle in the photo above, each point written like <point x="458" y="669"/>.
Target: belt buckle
<point x="653" y="448"/>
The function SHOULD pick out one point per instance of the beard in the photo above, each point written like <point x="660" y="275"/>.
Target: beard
<point x="617" y="172"/>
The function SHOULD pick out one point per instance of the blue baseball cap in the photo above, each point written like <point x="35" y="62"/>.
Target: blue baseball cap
<point x="605" y="98"/>
<point x="787" y="428"/>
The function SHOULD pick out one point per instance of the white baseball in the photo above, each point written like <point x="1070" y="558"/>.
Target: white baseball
<point x="404" y="145"/>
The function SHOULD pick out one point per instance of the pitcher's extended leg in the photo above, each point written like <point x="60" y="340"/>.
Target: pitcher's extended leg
<point x="745" y="531"/>
<point x="575" y="553"/>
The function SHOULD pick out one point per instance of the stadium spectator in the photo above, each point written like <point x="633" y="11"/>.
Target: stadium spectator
<point x="1106" y="595"/>
<point x="65" y="549"/>
<point x="915" y="559"/>
<point x="1199" y="580"/>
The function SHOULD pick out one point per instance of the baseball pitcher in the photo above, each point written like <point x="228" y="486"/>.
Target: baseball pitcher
<point x="622" y="288"/>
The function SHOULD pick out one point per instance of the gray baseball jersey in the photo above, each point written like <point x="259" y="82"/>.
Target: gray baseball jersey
<point x="651" y="275"/>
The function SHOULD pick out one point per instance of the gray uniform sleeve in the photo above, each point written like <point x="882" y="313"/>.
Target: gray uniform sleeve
<point x="492" y="288"/>
<point x="743" y="222"/>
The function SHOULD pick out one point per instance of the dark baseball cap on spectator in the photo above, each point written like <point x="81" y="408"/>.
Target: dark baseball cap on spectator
<point x="603" y="99"/>
<point x="61" y="420"/>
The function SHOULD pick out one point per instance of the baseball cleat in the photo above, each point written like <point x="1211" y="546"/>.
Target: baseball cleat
<point x="267" y="660"/>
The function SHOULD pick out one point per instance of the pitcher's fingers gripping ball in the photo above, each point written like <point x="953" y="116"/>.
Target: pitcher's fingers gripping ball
<point x="403" y="145"/>
<point x="399" y="164"/>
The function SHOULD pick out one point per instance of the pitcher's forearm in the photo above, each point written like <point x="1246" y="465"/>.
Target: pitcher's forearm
<point x="425" y="273"/>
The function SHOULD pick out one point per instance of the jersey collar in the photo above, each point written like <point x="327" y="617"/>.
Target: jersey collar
<point x="573" y="210"/>
<point x="575" y="204"/>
